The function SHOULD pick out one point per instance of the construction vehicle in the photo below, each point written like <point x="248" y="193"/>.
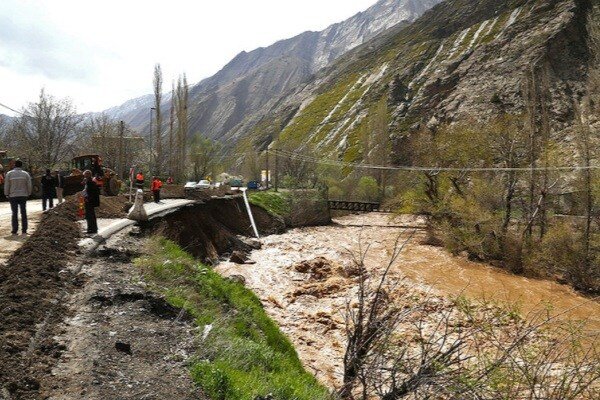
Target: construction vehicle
<point x="110" y="182"/>
<point x="105" y="177"/>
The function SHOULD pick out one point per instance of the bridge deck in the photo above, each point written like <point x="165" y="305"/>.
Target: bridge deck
<point x="357" y="206"/>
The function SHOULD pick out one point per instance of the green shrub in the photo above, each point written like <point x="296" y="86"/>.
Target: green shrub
<point x="368" y="189"/>
<point x="276" y="203"/>
<point x="245" y="354"/>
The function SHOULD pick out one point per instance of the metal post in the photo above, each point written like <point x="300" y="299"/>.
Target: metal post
<point x="121" y="159"/>
<point x="276" y="174"/>
<point x="267" y="174"/>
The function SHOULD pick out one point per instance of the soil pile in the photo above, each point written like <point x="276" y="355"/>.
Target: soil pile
<point x="211" y="230"/>
<point x="113" y="207"/>
<point x="32" y="285"/>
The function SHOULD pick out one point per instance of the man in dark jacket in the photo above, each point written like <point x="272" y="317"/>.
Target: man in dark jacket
<point x="48" y="189"/>
<point x="92" y="200"/>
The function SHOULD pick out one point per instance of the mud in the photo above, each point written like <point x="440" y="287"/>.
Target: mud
<point x="33" y="286"/>
<point x="211" y="230"/>
<point x="121" y="340"/>
<point x="304" y="279"/>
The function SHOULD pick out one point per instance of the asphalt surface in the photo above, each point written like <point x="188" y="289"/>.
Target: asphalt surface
<point x="9" y="243"/>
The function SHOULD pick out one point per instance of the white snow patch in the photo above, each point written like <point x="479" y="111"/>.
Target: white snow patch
<point x="326" y="120"/>
<point x="492" y="25"/>
<point x="428" y="66"/>
<point x="513" y="17"/>
<point x="478" y="32"/>
<point x="374" y="77"/>
<point x="458" y="42"/>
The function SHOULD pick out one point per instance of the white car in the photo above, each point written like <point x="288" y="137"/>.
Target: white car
<point x="190" y="185"/>
<point x="203" y="184"/>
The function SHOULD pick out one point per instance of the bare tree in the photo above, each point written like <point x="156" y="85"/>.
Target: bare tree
<point x="399" y="347"/>
<point x="48" y="131"/>
<point x="100" y="134"/>
<point x="171" y="132"/>
<point x="158" y="163"/>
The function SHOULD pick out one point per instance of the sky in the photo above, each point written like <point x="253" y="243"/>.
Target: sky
<point x="102" y="53"/>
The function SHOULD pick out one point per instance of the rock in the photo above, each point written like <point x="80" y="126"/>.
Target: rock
<point x="267" y="397"/>
<point x="254" y="244"/>
<point x="238" y="257"/>
<point x="238" y="279"/>
<point x="123" y="347"/>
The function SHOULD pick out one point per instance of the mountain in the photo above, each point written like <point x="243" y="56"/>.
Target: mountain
<point x="254" y="80"/>
<point x="462" y="59"/>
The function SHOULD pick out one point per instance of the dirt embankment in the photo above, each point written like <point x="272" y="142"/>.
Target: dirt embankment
<point x="32" y="288"/>
<point x="34" y="284"/>
<point x="212" y="229"/>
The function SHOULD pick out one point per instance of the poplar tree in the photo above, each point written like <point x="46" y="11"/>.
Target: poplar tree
<point x="157" y="102"/>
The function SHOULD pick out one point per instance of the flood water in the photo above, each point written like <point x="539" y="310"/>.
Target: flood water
<point x="313" y="322"/>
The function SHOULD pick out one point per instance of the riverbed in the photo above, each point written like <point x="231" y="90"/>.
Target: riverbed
<point x="312" y="314"/>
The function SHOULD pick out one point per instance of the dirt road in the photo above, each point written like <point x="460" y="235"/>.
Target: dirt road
<point x="9" y="243"/>
<point x="121" y="341"/>
<point x="312" y="315"/>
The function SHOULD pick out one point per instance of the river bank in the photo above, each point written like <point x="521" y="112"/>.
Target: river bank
<point x="311" y="314"/>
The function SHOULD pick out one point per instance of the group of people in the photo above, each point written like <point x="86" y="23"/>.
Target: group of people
<point x="53" y="185"/>
<point x="155" y="186"/>
<point x="18" y="187"/>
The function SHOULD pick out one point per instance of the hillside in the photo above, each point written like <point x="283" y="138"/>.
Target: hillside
<point x="461" y="59"/>
<point x="254" y="80"/>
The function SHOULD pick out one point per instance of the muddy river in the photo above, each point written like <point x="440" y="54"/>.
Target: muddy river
<point x="312" y="315"/>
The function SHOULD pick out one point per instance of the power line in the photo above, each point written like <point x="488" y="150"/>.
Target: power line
<point x="324" y="161"/>
<point x="12" y="109"/>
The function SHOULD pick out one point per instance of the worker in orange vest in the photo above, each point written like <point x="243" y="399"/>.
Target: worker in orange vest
<point x="139" y="180"/>
<point x="155" y="187"/>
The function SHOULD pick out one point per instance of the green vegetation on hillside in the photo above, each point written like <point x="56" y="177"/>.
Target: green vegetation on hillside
<point x="243" y="354"/>
<point x="314" y="114"/>
<point x="276" y="203"/>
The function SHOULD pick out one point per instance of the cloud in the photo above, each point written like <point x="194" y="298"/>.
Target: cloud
<point x="30" y="46"/>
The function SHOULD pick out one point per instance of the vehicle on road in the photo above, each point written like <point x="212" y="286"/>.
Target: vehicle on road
<point x="254" y="185"/>
<point x="203" y="184"/>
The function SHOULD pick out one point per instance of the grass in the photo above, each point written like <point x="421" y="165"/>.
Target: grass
<point x="244" y="355"/>
<point x="276" y="203"/>
<point x="309" y="119"/>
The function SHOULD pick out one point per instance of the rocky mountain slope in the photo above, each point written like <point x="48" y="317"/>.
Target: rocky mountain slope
<point x="461" y="59"/>
<point x="253" y="80"/>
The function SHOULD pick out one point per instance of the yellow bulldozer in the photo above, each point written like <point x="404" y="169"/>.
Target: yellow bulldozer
<point x="105" y="177"/>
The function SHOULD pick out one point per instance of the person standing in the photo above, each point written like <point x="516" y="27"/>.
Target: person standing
<point x="60" y="186"/>
<point x="48" y="188"/>
<point x="17" y="188"/>
<point x="91" y="194"/>
<point x="139" y="180"/>
<point x="155" y="187"/>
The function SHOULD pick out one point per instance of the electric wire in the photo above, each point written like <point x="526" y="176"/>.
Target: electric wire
<point x="410" y="168"/>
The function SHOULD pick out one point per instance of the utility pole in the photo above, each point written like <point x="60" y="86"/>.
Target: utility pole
<point x="267" y="174"/>
<point x="121" y="160"/>
<point x="276" y="175"/>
